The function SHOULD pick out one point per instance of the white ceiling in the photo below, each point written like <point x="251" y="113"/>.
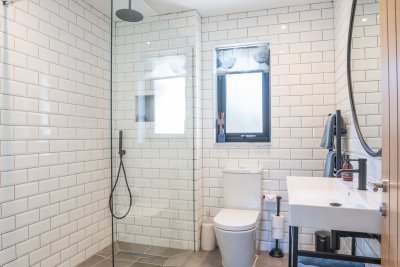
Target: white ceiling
<point x="204" y="7"/>
<point x="217" y="7"/>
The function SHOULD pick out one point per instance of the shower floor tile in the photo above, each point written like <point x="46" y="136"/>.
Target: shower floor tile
<point x="135" y="255"/>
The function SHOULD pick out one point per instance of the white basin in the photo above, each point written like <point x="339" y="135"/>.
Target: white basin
<point x="310" y="201"/>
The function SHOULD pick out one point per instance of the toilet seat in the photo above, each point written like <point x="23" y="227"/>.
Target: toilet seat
<point x="236" y="220"/>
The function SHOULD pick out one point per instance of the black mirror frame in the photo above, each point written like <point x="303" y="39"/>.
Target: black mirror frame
<point x="364" y="144"/>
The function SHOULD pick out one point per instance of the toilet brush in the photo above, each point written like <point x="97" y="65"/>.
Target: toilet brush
<point x="277" y="252"/>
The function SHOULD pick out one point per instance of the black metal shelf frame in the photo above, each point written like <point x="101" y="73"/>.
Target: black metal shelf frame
<point x="294" y="251"/>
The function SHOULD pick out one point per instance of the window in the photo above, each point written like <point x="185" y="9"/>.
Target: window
<point x="243" y="92"/>
<point x="169" y="106"/>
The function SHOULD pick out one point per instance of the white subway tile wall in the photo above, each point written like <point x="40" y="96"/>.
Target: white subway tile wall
<point x="54" y="133"/>
<point x="351" y="143"/>
<point x="302" y="96"/>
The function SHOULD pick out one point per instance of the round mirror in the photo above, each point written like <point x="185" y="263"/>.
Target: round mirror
<point x="364" y="74"/>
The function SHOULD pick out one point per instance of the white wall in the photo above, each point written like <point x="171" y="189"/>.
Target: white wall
<point x="54" y="133"/>
<point x="303" y="94"/>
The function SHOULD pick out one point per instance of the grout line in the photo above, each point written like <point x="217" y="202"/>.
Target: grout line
<point x="147" y="250"/>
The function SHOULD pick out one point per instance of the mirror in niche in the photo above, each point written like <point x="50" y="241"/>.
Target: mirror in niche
<point x="365" y="74"/>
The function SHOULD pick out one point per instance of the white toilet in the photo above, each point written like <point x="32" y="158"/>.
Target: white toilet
<point x="237" y="225"/>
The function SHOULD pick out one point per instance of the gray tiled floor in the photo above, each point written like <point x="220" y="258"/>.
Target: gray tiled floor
<point x="134" y="255"/>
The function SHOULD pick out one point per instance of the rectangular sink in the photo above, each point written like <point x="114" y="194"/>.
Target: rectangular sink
<point x="332" y="204"/>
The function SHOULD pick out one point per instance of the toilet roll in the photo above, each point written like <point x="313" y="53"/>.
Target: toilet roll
<point x="278" y="233"/>
<point x="271" y="198"/>
<point x="207" y="236"/>
<point x="278" y="221"/>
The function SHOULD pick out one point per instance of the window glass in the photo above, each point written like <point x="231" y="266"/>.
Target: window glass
<point x="169" y="106"/>
<point x="244" y="103"/>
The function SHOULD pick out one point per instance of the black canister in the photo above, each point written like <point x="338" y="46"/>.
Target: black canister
<point x="323" y="241"/>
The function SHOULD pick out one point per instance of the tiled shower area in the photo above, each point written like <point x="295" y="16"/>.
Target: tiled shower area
<point x="155" y="90"/>
<point x="60" y="123"/>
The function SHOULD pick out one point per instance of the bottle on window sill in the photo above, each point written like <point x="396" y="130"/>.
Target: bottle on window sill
<point x="221" y="138"/>
<point x="220" y="127"/>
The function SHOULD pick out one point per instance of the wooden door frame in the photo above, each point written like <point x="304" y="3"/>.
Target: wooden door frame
<point x="390" y="58"/>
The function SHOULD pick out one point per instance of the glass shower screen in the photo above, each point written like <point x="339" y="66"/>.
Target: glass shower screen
<point x="152" y="104"/>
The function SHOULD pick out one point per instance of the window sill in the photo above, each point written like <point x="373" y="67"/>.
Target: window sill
<point x="242" y="145"/>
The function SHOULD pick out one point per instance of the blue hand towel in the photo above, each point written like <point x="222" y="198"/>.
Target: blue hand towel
<point x="329" y="132"/>
<point x="327" y="138"/>
<point x="329" y="164"/>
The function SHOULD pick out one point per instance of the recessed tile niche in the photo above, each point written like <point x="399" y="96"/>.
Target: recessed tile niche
<point x="145" y="108"/>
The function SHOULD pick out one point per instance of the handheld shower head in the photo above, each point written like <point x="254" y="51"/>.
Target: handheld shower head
<point x="121" y="152"/>
<point x="129" y="14"/>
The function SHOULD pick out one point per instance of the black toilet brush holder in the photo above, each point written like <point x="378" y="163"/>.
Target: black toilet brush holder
<point x="276" y="252"/>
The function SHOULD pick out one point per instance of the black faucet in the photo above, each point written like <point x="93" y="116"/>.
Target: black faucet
<point x="362" y="173"/>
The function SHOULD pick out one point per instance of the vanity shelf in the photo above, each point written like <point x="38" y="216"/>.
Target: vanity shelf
<point x="295" y="253"/>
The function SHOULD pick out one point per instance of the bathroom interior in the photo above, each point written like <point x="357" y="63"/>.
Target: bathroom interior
<point x="192" y="133"/>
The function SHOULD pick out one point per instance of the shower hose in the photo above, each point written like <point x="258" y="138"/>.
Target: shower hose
<point x="121" y="166"/>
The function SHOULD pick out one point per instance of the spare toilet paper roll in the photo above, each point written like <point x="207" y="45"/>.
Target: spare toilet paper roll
<point x="207" y="236"/>
<point x="278" y="233"/>
<point x="278" y="221"/>
<point x="269" y="197"/>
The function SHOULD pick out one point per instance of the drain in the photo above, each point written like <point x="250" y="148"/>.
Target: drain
<point x="335" y="204"/>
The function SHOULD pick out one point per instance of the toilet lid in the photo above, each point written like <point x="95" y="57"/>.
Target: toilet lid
<point x="236" y="220"/>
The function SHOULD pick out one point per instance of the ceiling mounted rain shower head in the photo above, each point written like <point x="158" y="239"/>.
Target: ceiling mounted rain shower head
<point x="129" y="14"/>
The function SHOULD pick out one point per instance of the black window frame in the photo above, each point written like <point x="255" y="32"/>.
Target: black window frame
<point x="265" y="136"/>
